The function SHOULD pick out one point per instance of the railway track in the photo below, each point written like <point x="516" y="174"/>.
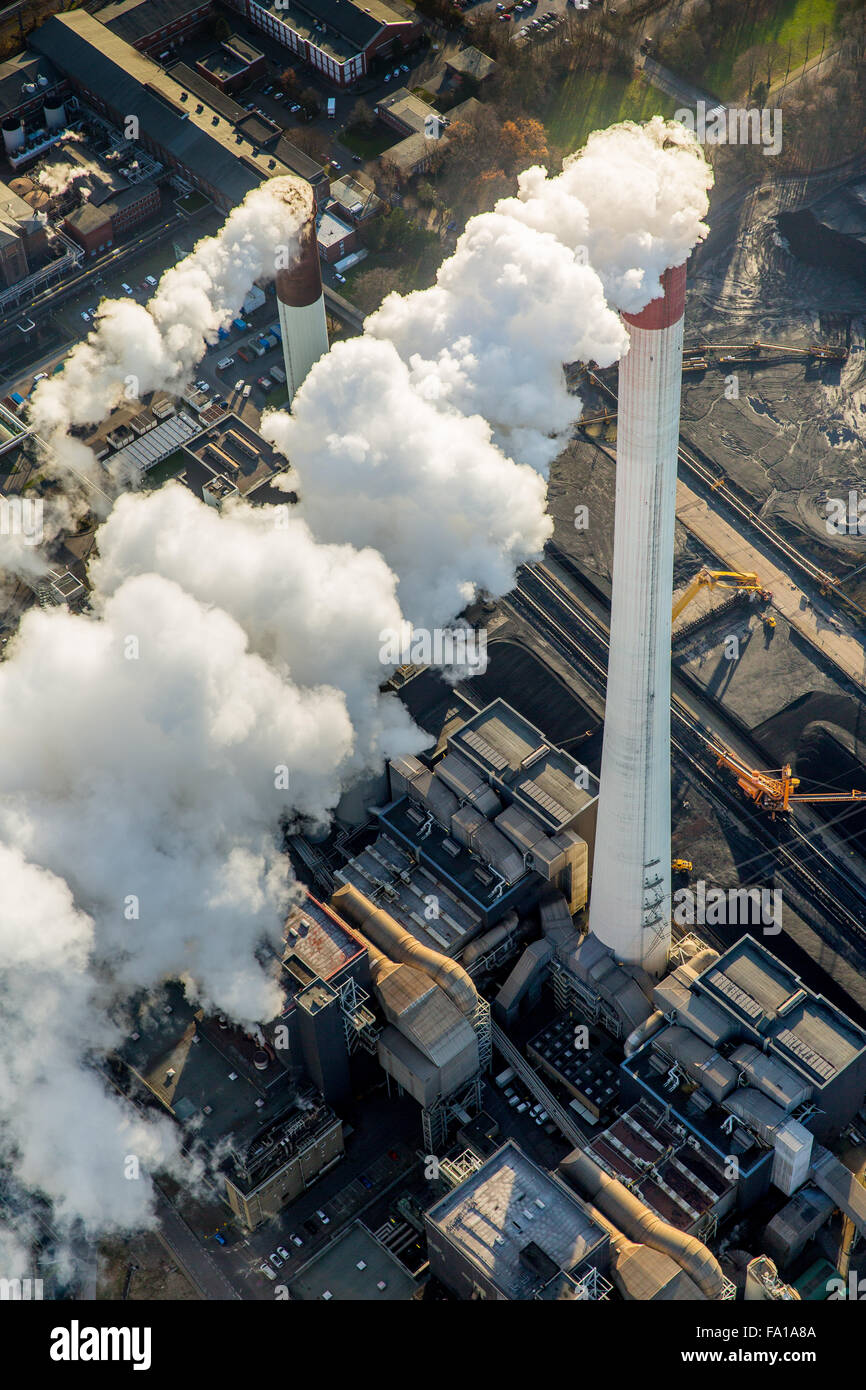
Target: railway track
<point x="713" y="481"/>
<point x="583" y="641"/>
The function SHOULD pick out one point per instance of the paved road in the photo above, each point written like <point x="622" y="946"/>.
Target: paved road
<point x="195" y="1261"/>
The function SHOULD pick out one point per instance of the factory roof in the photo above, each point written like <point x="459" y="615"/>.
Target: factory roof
<point x="357" y="199"/>
<point x="810" y="1035"/>
<point x="25" y="68"/>
<point x="133" y="20"/>
<point x="354" y="1268"/>
<point x="340" y="27"/>
<point x="320" y="939"/>
<point x="192" y="81"/>
<point x="173" y="1049"/>
<point x="332" y="230"/>
<point x="517" y="1224"/>
<point x="516" y="756"/>
<point x="408" y="886"/>
<point x="191" y="131"/>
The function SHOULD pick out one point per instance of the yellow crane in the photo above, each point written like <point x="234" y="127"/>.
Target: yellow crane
<point x="722" y="579"/>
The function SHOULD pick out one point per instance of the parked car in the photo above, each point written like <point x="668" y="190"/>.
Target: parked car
<point x="149" y="280"/>
<point x="323" y="1218"/>
<point x="357" y="159"/>
<point x="202" y="384"/>
<point x="338" y="276"/>
<point x="220" y="1238"/>
<point x="239" y="384"/>
<point x="267" y="1271"/>
<point x="85" y="316"/>
<point x="362" y="1178"/>
<point x="335" y="164"/>
<point x="247" y="390"/>
<point x="127" y="289"/>
<point x="275" y="1260"/>
<point x="521" y="1107"/>
<point x="295" y="106"/>
<point x="296" y="1240"/>
<point x="40" y="376"/>
<point x="283" y="1252"/>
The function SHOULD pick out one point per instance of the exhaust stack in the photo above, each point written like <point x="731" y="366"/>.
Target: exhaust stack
<point x="630" y="906"/>
<point x="301" y="305"/>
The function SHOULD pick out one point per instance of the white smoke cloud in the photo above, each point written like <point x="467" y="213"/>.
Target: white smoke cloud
<point x="634" y="196"/>
<point x="311" y="610"/>
<point x="139" y="348"/>
<point x="223" y="647"/>
<point x="53" y="1106"/>
<point x="421" y="425"/>
<point x="62" y="174"/>
<point x="382" y="466"/>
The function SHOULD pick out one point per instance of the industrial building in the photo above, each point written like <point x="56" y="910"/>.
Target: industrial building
<point x="338" y="38"/>
<point x="178" y="126"/>
<point x="356" y="1267"/>
<point x="499" y="816"/>
<point x="152" y="26"/>
<point x="270" y="1139"/>
<point x="235" y="63"/>
<point x="510" y="1231"/>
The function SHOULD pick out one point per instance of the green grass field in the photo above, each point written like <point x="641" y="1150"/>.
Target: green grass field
<point x="368" y="143"/>
<point x="794" y="21"/>
<point x="590" y="101"/>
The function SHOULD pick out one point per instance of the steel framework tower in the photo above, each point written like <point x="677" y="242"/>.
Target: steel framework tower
<point x="631" y="884"/>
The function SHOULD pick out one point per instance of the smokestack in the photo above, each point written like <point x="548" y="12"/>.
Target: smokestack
<point x="630" y="905"/>
<point x="301" y="303"/>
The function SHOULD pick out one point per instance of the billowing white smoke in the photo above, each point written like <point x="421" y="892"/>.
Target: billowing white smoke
<point x="52" y="1107"/>
<point x="312" y="611"/>
<point x="58" y="177"/>
<point x="229" y="674"/>
<point x="416" y="425"/>
<point x="426" y="487"/>
<point x="136" y="348"/>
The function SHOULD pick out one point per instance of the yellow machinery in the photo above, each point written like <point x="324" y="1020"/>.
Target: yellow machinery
<point x="681" y="866"/>
<point x="722" y="579"/>
<point x="774" y="791"/>
<point x="769" y="620"/>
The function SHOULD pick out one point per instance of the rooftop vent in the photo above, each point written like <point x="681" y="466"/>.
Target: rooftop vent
<point x="207" y="1110"/>
<point x="233" y="1076"/>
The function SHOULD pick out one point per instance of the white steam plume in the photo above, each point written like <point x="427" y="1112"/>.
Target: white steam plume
<point x="411" y="425"/>
<point x="147" y="769"/>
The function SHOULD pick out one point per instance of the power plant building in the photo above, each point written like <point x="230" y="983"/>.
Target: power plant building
<point x="631" y="898"/>
<point x="511" y="1231"/>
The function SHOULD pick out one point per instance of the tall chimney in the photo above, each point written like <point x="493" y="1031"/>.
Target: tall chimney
<point x="630" y="906"/>
<point x="301" y="304"/>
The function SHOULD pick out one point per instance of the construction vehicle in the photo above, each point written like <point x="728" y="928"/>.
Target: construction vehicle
<point x="774" y="791"/>
<point x="723" y="579"/>
<point x="769" y="620"/>
<point x="681" y="866"/>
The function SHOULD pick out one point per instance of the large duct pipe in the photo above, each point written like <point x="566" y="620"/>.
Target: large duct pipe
<point x="635" y="1267"/>
<point x="489" y="939"/>
<point x="638" y="1036"/>
<point x="301" y="306"/>
<point x="636" y="1220"/>
<point x="400" y="945"/>
<point x="631" y="881"/>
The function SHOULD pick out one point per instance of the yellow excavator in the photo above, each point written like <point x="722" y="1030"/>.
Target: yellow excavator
<point x="777" y="790"/>
<point x="681" y="866"/>
<point x="721" y="579"/>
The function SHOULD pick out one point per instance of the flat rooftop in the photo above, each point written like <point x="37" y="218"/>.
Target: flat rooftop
<point x="320" y="939"/>
<point x="408" y="885"/>
<point x="452" y="862"/>
<point x="508" y="1204"/>
<point x="355" y="1269"/>
<point x="805" y="1031"/>
<point x="169" y="1048"/>
<point x="516" y="756"/>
